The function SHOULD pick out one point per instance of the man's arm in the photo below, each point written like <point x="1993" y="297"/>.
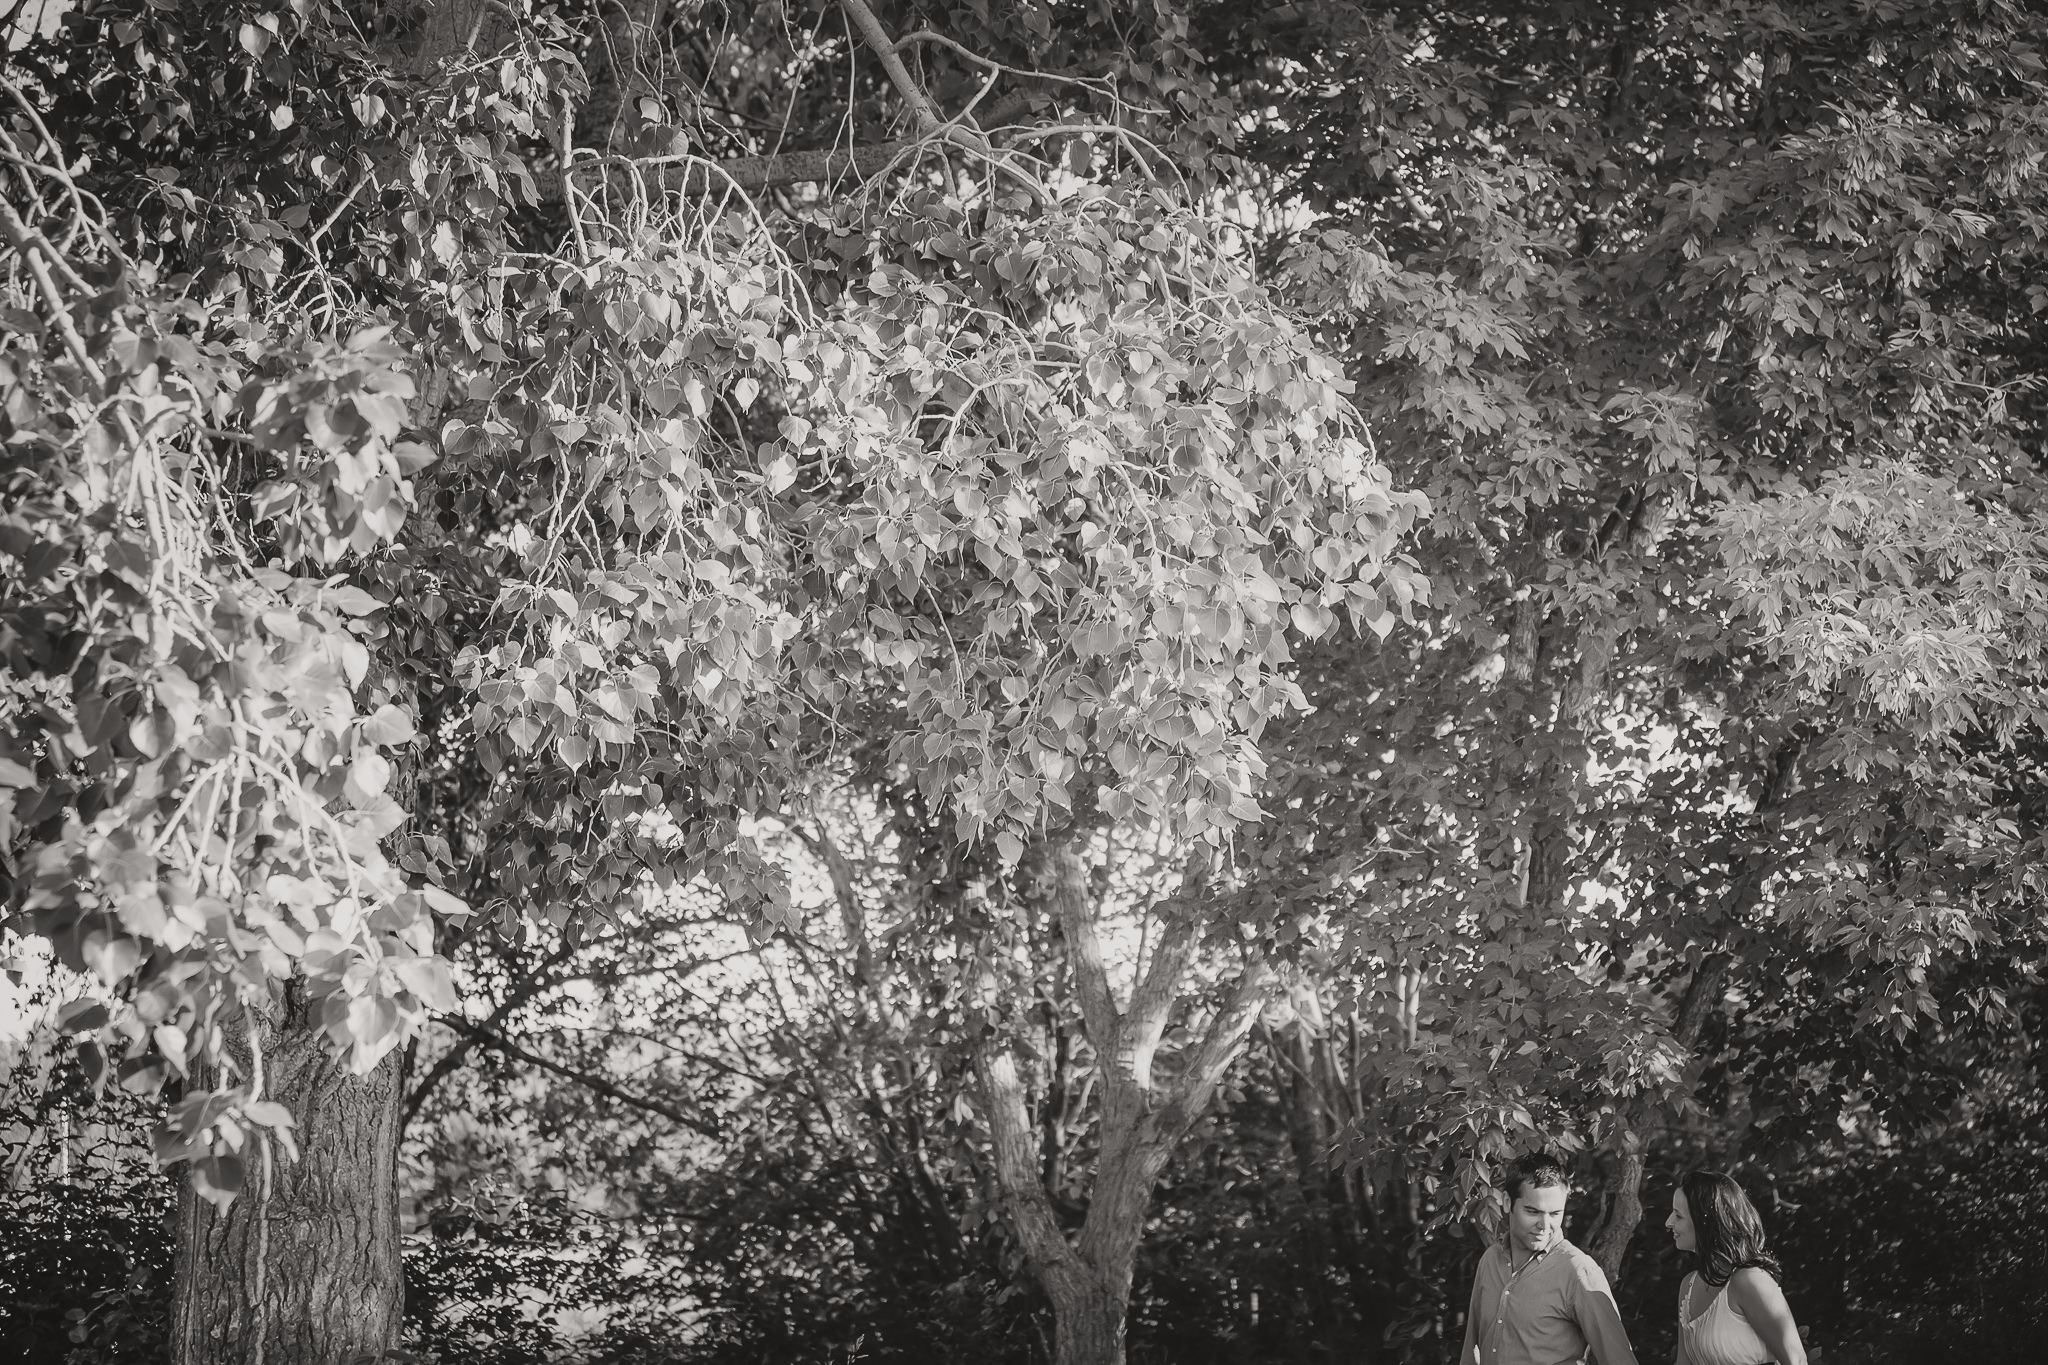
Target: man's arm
<point x="1599" y="1320"/>
<point x="1467" y="1353"/>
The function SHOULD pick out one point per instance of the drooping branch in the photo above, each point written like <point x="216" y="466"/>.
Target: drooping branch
<point x="595" y="1084"/>
<point x="455" y="1056"/>
<point x="1099" y="85"/>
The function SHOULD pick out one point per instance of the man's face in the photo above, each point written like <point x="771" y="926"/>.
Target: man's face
<point x="1536" y="1218"/>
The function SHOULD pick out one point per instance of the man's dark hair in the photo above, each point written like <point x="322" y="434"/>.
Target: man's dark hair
<point x="1539" y="1169"/>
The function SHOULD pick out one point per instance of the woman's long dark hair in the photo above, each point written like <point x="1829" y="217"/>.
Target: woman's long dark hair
<point x="1728" y="1234"/>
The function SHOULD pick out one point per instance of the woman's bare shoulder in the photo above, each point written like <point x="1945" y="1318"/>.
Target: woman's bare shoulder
<point x="1754" y="1287"/>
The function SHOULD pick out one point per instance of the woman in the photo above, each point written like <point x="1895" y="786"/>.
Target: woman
<point x="1730" y="1310"/>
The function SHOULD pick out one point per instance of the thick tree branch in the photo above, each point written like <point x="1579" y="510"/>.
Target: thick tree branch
<point x="853" y="918"/>
<point x="885" y="49"/>
<point x="453" y="1058"/>
<point x="1220" y="1045"/>
<point x="1152" y="1000"/>
<point x="1702" y="994"/>
<point x="692" y="176"/>
<point x="1624" y="1214"/>
<point x="1065" y="882"/>
<point x="595" y="1084"/>
<point x="1152" y="1003"/>
<point x="1015" y="1150"/>
<point x="924" y="35"/>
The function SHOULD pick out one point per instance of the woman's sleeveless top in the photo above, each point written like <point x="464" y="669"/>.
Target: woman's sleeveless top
<point x="1720" y="1335"/>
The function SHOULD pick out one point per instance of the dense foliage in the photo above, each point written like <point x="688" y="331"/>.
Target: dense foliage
<point x="1262" y="605"/>
<point x="548" y="1223"/>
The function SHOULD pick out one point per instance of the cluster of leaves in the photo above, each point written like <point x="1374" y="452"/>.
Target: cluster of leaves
<point x="212" y="747"/>
<point x="1051" y="476"/>
<point x="1901" y="595"/>
<point x="197" y="774"/>
<point x="1708" y="333"/>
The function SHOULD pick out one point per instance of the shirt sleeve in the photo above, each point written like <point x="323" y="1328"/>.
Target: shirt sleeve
<point x="1599" y="1320"/>
<point x="1465" y="1353"/>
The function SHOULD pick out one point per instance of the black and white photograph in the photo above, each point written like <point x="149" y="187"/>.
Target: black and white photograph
<point x="1023" y="682"/>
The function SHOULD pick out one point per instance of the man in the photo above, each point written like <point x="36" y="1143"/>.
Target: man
<point x="1537" y="1299"/>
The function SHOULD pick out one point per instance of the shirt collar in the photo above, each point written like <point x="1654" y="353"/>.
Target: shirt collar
<point x="1507" y="1249"/>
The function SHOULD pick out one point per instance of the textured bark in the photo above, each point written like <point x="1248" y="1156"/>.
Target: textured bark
<point x="1624" y="1214"/>
<point x="307" y="1271"/>
<point x="883" y="46"/>
<point x="1088" y="1315"/>
<point x="1089" y="1319"/>
<point x="304" y="1267"/>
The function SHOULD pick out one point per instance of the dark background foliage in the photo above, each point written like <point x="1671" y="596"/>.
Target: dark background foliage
<point x="1926" y="1248"/>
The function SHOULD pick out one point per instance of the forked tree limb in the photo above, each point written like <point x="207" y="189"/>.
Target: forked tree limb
<point x="1017" y="1160"/>
<point x="1067" y="884"/>
<point x="1221" y="1045"/>
<point x="886" y="51"/>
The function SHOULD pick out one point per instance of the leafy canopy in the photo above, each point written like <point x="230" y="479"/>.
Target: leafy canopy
<point x="385" y="481"/>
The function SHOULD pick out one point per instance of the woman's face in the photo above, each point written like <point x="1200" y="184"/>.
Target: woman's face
<point x="1679" y="1224"/>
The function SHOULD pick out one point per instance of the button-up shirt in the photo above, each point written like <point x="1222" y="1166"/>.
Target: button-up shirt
<point x="1547" y="1313"/>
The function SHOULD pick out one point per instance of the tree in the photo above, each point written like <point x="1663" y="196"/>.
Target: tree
<point x="336" y="430"/>
<point x="1704" y="329"/>
<point x="472" y="461"/>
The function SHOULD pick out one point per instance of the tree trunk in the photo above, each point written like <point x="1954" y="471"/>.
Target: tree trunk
<point x="303" y="1268"/>
<point x="1089" y="1284"/>
<point x="1624" y="1214"/>
<point x="1088" y="1279"/>
<point x="1702" y="997"/>
<point x="1088" y="1321"/>
<point x="1625" y="1211"/>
